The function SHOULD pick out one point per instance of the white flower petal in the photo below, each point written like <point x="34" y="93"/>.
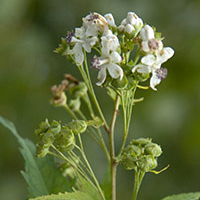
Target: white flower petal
<point x="79" y="32"/>
<point x="121" y="27"/>
<point x="124" y="22"/>
<point x="87" y="47"/>
<point x="145" y="46"/>
<point x="154" y="81"/>
<point x="141" y="69"/>
<point x="164" y="55"/>
<point x="115" y="70"/>
<point x="146" y="33"/>
<point x="109" y="43"/>
<point x="131" y="18"/>
<point x="115" y="57"/>
<point x="148" y="59"/>
<point x="169" y="51"/>
<point x="129" y="28"/>
<point x="110" y="19"/>
<point x="78" y="53"/>
<point x="101" y="75"/>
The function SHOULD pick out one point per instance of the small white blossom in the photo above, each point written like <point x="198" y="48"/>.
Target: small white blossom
<point x="152" y="64"/>
<point x="131" y="24"/>
<point x="109" y="42"/>
<point x="107" y="62"/>
<point x="149" y="42"/>
<point x="95" y="22"/>
<point x="110" y="19"/>
<point x="82" y="40"/>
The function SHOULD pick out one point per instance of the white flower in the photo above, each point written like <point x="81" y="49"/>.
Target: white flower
<point x="131" y="24"/>
<point x="149" y="43"/>
<point x="152" y="64"/>
<point x="109" y="42"/>
<point x="107" y="62"/>
<point x="82" y="40"/>
<point x="95" y="22"/>
<point x="110" y="19"/>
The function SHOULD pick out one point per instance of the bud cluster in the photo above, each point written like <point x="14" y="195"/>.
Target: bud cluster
<point x="61" y="136"/>
<point x="114" y="45"/>
<point x="141" y="155"/>
<point x="76" y="89"/>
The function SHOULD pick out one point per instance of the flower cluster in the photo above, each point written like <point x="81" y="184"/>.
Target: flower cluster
<point x="141" y="154"/>
<point x="62" y="137"/>
<point x="114" y="45"/>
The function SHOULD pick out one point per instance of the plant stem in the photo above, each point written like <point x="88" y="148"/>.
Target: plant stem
<point x="100" y="140"/>
<point x="93" y="93"/>
<point x="138" y="180"/>
<point x="113" y="163"/>
<point x="70" y="111"/>
<point x="89" y="167"/>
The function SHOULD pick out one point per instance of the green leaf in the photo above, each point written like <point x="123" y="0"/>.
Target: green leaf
<point x="41" y="175"/>
<point x="106" y="185"/>
<point x="85" y="187"/>
<point x="187" y="196"/>
<point x="77" y="195"/>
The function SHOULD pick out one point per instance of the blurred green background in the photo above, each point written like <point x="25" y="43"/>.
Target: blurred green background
<point x="29" y="32"/>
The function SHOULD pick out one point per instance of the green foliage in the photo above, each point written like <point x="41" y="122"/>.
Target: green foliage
<point x="40" y="174"/>
<point x="188" y="196"/>
<point x="106" y="185"/>
<point x="66" y="196"/>
<point x="87" y="188"/>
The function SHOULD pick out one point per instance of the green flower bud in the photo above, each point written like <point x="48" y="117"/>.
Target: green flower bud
<point x="133" y="150"/>
<point x="77" y="126"/>
<point x="141" y="141"/>
<point x="44" y="126"/>
<point x="153" y="149"/>
<point x="47" y="138"/>
<point x="78" y="90"/>
<point x="120" y="84"/>
<point x="147" y="163"/>
<point x="141" y="76"/>
<point x="128" y="161"/>
<point x="75" y="104"/>
<point x="55" y="127"/>
<point x="41" y="151"/>
<point x="45" y="141"/>
<point x="65" y="141"/>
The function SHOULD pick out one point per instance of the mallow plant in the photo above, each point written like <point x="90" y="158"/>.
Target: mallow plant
<point x="126" y="57"/>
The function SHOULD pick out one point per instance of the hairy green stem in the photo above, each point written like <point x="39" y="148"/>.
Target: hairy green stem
<point x="113" y="163"/>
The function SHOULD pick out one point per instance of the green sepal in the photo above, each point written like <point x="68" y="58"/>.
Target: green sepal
<point x="62" y="47"/>
<point x="96" y="122"/>
<point x="141" y="77"/>
<point x="120" y="84"/>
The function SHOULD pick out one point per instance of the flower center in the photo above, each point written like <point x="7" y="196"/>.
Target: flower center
<point x="96" y="62"/>
<point x="161" y="73"/>
<point x="153" y="44"/>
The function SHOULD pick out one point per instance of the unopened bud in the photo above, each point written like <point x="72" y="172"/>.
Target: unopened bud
<point x="65" y="141"/>
<point x="153" y="149"/>
<point x="147" y="163"/>
<point x="77" y="126"/>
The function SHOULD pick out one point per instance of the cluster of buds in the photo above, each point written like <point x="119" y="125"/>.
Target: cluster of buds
<point x="141" y="155"/>
<point x="114" y="45"/>
<point x="62" y="137"/>
<point x="76" y="89"/>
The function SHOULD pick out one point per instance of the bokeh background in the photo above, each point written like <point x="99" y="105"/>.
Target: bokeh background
<point x="29" y="32"/>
